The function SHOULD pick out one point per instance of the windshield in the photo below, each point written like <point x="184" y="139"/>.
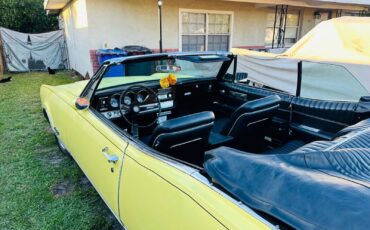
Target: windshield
<point x="156" y="69"/>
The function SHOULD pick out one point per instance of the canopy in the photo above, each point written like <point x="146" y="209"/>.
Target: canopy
<point x="344" y="40"/>
<point x="340" y="41"/>
<point x="26" y="52"/>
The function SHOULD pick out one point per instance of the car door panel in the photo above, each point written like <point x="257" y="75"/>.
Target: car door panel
<point x="316" y="119"/>
<point x="88" y="136"/>
<point x="156" y="195"/>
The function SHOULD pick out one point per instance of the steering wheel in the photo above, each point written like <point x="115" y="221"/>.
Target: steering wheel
<point x="131" y="111"/>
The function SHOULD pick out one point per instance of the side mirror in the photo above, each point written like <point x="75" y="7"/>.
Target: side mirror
<point x="82" y="103"/>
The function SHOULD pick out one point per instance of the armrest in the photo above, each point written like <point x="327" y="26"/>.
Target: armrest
<point x="316" y="134"/>
<point x="216" y="139"/>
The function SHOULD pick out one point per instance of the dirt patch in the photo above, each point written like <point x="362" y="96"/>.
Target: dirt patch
<point x="55" y="160"/>
<point x="85" y="183"/>
<point x="62" y="189"/>
<point x="51" y="156"/>
<point x="43" y="150"/>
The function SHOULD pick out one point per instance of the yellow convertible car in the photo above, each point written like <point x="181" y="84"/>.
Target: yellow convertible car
<point x="183" y="141"/>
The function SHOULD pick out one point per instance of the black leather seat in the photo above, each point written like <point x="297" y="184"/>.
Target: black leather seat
<point x="184" y="137"/>
<point x="249" y="122"/>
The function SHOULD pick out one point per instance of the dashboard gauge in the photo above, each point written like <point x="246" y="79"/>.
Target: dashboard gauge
<point x="142" y="96"/>
<point x="114" y="102"/>
<point x="127" y="100"/>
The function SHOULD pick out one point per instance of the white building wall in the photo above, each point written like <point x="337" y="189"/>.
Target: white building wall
<point x="91" y="23"/>
<point x="76" y="28"/>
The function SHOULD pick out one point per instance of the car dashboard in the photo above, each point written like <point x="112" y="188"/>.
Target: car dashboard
<point x="108" y="105"/>
<point x="178" y="100"/>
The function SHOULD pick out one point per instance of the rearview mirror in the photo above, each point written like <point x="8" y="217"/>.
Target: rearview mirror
<point x="82" y="103"/>
<point x="167" y="68"/>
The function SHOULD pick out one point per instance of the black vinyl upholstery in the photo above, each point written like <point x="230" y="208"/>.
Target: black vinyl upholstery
<point x="322" y="185"/>
<point x="287" y="148"/>
<point x="328" y="116"/>
<point x="182" y="135"/>
<point x="248" y="123"/>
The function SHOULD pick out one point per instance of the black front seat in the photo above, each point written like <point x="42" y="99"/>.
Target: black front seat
<point x="185" y="137"/>
<point x="250" y="122"/>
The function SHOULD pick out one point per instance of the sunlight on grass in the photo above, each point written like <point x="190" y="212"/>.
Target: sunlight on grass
<point x="40" y="187"/>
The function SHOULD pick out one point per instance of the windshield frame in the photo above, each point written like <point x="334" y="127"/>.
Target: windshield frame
<point x="92" y="86"/>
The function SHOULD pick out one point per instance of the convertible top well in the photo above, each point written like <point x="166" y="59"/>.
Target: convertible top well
<point x="318" y="182"/>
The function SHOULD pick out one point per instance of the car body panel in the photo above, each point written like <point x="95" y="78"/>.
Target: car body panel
<point x="82" y="134"/>
<point x="169" y="198"/>
<point x="151" y="192"/>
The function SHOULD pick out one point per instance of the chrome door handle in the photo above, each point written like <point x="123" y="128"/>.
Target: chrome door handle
<point x="111" y="158"/>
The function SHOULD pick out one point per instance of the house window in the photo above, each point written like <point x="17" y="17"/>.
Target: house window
<point x="203" y="31"/>
<point x="291" y="33"/>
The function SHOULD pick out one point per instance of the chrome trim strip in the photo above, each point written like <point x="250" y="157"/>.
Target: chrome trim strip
<point x="179" y="132"/>
<point x="249" y="113"/>
<point x="186" y="142"/>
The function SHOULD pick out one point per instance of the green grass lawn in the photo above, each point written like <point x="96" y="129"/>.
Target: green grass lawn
<point x="40" y="188"/>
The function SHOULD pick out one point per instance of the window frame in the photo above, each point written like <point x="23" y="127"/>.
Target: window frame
<point x="206" y="34"/>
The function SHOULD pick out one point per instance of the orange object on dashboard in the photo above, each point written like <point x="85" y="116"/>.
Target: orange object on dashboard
<point x="172" y="79"/>
<point x="166" y="82"/>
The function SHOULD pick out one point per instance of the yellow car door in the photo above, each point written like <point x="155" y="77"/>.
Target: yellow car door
<point x="99" y="153"/>
<point x="156" y="195"/>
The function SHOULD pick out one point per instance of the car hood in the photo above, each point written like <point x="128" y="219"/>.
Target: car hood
<point x="75" y="89"/>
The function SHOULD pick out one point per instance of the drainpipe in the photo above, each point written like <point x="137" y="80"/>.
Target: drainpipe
<point x="160" y="3"/>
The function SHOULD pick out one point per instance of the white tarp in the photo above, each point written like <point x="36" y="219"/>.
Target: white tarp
<point x="27" y="52"/>
<point x="335" y="49"/>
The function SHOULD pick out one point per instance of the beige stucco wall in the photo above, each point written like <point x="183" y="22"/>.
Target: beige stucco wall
<point x="308" y="20"/>
<point x="136" y="22"/>
<point x="90" y="23"/>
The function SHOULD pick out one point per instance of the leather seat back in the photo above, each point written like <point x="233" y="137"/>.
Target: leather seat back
<point x="249" y="122"/>
<point x="183" y="135"/>
<point x="251" y="114"/>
